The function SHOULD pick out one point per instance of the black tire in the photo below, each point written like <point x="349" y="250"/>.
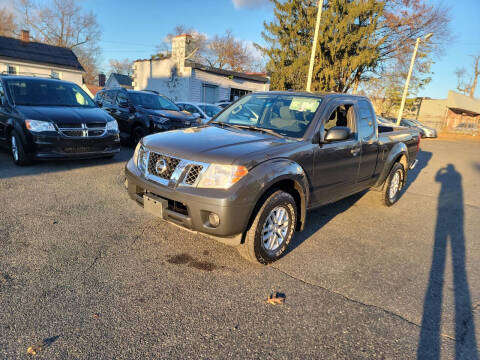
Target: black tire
<point x="254" y="248"/>
<point x="17" y="150"/>
<point x="389" y="195"/>
<point x="138" y="132"/>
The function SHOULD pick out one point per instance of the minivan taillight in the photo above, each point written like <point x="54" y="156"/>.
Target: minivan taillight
<point x="418" y="143"/>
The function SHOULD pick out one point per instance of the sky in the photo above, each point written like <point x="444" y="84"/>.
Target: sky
<point x="133" y="29"/>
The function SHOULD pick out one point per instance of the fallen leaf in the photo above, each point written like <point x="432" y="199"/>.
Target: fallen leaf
<point x="276" y="299"/>
<point x="96" y="315"/>
<point x="35" y="349"/>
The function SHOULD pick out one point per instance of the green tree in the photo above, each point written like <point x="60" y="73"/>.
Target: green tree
<point x="347" y="45"/>
<point x="289" y="40"/>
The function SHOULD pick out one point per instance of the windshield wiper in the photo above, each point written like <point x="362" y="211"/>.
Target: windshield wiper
<point x="256" y="128"/>
<point x="223" y="124"/>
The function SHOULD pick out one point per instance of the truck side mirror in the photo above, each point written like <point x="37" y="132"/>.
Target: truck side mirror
<point x="338" y="133"/>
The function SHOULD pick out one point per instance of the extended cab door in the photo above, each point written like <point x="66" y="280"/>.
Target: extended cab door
<point x="336" y="163"/>
<point x="367" y="135"/>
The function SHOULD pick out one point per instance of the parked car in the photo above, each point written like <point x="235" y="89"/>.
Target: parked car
<point x="249" y="176"/>
<point x="205" y="111"/>
<point x="425" y="131"/>
<point x="383" y="121"/>
<point x="46" y="118"/>
<point x="223" y="104"/>
<point x="140" y="113"/>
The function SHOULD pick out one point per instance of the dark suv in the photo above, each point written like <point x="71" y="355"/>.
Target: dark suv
<point x="140" y="113"/>
<point x="45" y="118"/>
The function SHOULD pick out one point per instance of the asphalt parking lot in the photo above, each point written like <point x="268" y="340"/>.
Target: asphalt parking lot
<point x="85" y="269"/>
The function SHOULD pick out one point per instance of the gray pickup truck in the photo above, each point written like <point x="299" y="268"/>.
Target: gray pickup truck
<point x="249" y="176"/>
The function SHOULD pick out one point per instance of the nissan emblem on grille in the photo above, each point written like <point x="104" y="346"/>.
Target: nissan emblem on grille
<point x="161" y="166"/>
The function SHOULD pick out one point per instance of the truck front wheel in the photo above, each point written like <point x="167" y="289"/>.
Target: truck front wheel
<point x="393" y="185"/>
<point x="271" y="230"/>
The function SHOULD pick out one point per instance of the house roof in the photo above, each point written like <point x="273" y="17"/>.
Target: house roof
<point x="123" y="80"/>
<point x="94" y="89"/>
<point x="253" y="77"/>
<point x="35" y="52"/>
<point x="463" y="103"/>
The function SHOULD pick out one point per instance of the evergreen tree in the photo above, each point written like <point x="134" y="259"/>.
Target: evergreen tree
<point x="347" y="47"/>
<point x="289" y="38"/>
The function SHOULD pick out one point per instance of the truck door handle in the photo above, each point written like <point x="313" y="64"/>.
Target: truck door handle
<point x="355" y="151"/>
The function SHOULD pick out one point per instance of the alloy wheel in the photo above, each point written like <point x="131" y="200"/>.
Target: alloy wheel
<point x="275" y="229"/>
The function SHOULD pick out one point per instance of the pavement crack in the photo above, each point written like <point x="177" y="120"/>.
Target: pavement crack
<point x="391" y="313"/>
<point x="92" y="264"/>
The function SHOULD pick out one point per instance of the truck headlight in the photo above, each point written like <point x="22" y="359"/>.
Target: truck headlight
<point x="140" y="157"/>
<point x="221" y="176"/>
<point x="112" y="125"/>
<point x="39" y="126"/>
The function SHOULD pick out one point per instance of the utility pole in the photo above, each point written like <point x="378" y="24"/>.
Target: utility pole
<point x="405" y="90"/>
<point x="314" y="46"/>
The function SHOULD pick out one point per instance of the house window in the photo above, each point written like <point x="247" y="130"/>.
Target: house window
<point x="55" y="74"/>
<point x="236" y="94"/>
<point x="12" y="70"/>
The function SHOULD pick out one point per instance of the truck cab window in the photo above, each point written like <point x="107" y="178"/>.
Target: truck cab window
<point x="343" y="115"/>
<point x="366" y="126"/>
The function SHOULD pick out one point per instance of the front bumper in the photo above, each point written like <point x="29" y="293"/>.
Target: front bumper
<point x="56" y="146"/>
<point x="191" y="207"/>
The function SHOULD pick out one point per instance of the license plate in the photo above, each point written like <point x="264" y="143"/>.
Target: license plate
<point x="154" y="205"/>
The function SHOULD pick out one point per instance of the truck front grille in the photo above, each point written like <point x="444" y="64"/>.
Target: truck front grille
<point x="162" y="166"/>
<point x="192" y="174"/>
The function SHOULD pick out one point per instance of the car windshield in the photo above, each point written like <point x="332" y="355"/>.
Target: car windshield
<point x="287" y="115"/>
<point x="210" y="110"/>
<point x="152" y="101"/>
<point x="37" y="92"/>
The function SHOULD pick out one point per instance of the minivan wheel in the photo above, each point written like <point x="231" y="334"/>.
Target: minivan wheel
<point x="138" y="133"/>
<point x="17" y="150"/>
<point x="271" y="230"/>
<point x="393" y="185"/>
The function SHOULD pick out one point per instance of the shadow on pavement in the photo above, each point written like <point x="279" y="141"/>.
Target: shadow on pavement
<point x="449" y="231"/>
<point x="423" y="158"/>
<point x="9" y="170"/>
<point x="319" y="217"/>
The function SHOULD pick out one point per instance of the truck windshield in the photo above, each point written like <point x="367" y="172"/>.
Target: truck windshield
<point x="37" y="92"/>
<point x="152" y="101"/>
<point x="287" y="115"/>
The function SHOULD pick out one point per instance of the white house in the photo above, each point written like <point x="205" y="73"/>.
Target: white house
<point x="25" y="57"/>
<point x="183" y="80"/>
<point x="118" y="80"/>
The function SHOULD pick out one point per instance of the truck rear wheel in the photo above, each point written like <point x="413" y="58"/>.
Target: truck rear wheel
<point x="393" y="185"/>
<point x="271" y="230"/>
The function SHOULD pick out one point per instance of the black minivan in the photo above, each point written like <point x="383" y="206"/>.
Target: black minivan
<point x="140" y="113"/>
<point x="45" y="118"/>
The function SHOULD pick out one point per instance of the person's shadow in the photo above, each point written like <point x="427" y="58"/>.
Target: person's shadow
<point x="449" y="229"/>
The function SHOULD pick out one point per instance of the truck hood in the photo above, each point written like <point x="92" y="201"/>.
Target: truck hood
<point x="213" y="144"/>
<point x="64" y="114"/>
